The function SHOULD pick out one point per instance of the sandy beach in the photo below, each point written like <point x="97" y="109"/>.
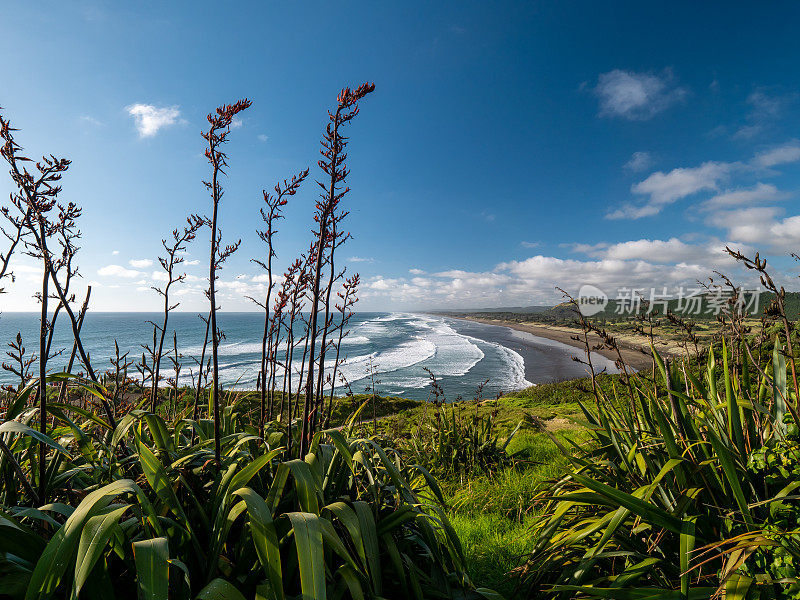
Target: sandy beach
<point x="632" y="354"/>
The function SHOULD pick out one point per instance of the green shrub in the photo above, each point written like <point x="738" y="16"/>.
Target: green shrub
<point x="458" y="440"/>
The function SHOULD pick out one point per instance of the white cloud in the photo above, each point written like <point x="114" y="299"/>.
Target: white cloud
<point x="639" y="161"/>
<point x="160" y="276"/>
<point x="118" y="271"/>
<point x="416" y="272"/>
<point x="361" y="259"/>
<point x="381" y="284"/>
<point x="533" y="281"/>
<point x="760" y="226"/>
<point x="530" y="244"/>
<point x="115" y="252"/>
<point x="636" y="96"/>
<point x="236" y="123"/>
<point x="780" y="155"/>
<point x="672" y="250"/>
<point x="761" y="192"/>
<point x="666" y="188"/>
<point x="262" y="137"/>
<point x="140" y="263"/>
<point x="658" y="251"/>
<point x="191" y="263"/>
<point x="149" y="118"/>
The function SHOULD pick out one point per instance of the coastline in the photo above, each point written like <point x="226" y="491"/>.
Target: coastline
<point x="632" y="355"/>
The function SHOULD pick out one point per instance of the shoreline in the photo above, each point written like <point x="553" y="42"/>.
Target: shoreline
<point x="632" y="355"/>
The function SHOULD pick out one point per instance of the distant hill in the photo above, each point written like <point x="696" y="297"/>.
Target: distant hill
<point x="521" y="310"/>
<point x="702" y="309"/>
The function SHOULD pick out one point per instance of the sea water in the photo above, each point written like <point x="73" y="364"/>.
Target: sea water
<point x="392" y="348"/>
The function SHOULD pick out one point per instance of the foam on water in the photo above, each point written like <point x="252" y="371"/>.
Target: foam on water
<point x="455" y="354"/>
<point x="516" y="368"/>
<point x="352" y="340"/>
<point x="399" y="384"/>
<point x="402" y="356"/>
<point x="227" y="349"/>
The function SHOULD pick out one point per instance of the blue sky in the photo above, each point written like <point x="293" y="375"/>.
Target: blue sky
<point x="508" y="147"/>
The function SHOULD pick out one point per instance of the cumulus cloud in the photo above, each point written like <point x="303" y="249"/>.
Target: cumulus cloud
<point x="534" y="280"/>
<point x="761" y="226"/>
<point x="140" y="263"/>
<point x="150" y="119"/>
<point x="655" y="251"/>
<point x="118" y="271"/>
<point x="639" y="161"/>
<point x="672" y="250"/>
<point x="641" y="264"/>
<point x="665" y="188"/>
<point x="191" y="263"/>
<point x="636" y="96"/>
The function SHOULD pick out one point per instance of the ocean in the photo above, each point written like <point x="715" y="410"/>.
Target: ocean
<point x="462" y="354"/>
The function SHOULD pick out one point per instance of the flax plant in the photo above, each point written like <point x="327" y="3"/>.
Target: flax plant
<point x="171" y="261"/>
<point x="271" y="214"/>
<point x="333" y="165"/>
<point x="216" y="137"/>
<point x="688" y="489"/>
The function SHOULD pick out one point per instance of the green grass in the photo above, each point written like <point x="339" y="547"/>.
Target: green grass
<point x="511" y="492"/>
<point x="492" y="515"/>
<point x="493" y="546"/>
